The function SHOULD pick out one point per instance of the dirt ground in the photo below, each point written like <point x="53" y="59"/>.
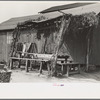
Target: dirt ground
<point x="20" y="76"/>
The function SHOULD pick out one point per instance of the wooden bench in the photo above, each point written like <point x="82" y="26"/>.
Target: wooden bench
<point x="68" y="65"/>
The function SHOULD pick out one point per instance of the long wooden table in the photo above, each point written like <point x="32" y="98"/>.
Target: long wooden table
<point x="41" y="63"/>
<point x="26" y="59"/>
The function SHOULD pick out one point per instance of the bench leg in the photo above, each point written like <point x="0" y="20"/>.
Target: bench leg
<point x="27" y="66"/>
<point x="11" y="64"/>
<point x="40" y="70"/>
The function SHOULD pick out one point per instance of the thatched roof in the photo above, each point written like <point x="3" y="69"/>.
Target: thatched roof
<point x="12" y="23"/>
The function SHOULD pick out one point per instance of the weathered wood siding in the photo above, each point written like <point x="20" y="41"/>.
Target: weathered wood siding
<point x="3" y="46"/>
<point x="9" y="41"/>
<point x="44" y="42"/>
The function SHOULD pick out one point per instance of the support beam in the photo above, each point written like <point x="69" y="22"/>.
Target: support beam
<point x="87" y="57"/>
<point x="64" y="27"/>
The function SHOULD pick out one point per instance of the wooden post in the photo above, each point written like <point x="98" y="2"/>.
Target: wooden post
<point x="62" y="68"/>
<point x="48" y="67"/>
<point x="79" y="69"/>
<point x="11" y="63"/>
<point x="31" y="65"/>
<point x="87" y="57"/>
<point x="13" y="46"/>
<point x="64" y="26"/>
<point x="19" y="63"/>
<point x="90" y="33"/>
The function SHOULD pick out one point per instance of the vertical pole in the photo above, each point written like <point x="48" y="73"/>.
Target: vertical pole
<point x="26" y="65"/>
<point x="68" y="66"/>
<point x="79" y="68"/>
<point x="19" y="63"/>
<point x="63" y="28"/>
<point x="11" y="63"/>
<point x="87" y="57"/>
<point x="48" y="67"/>
<point x="62" y="68"/>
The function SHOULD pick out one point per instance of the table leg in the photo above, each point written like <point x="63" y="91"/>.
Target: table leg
<point x="79" y="68"/>
<point x="19" y="63"/>
<point x="11" y="63"/>
<point x="26" y="66"/>
<point x="31" y="65"/>
<point x="48" y="67"/>
<point x="68" y="70"/>
<point x="40" y="70"/>
<point x="62" y="68"/>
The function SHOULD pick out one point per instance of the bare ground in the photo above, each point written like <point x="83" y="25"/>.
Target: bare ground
<point x="20" y="76"/>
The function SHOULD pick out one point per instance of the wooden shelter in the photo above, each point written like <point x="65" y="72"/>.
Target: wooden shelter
<point x="7" y="28"/>
<point x="32" y="27"/>
<point x="65" y="7"/>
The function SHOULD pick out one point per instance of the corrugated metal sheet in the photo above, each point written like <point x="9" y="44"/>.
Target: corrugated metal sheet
<point x="63" y="7"/>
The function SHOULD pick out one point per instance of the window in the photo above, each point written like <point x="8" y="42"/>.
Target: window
<point x="9" y="38"/>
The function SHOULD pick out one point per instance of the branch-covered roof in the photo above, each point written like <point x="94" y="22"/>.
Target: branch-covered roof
<point x="12" y="23"/>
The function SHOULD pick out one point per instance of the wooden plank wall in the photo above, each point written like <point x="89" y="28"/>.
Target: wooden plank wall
<point x="3" y="46"/>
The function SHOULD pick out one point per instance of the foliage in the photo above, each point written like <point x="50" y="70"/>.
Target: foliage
<point x="82" y="23"/>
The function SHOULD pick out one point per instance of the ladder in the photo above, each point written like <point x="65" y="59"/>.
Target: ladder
<point x="16" y="34"/>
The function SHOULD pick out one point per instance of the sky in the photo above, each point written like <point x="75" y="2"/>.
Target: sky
<point x="10" y="9"/>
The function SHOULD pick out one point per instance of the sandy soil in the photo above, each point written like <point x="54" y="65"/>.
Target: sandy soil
<point x="20" y="76"/>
